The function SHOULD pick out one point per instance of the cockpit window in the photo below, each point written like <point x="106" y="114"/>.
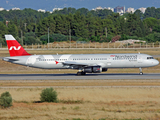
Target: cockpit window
<point x="150" y="58"/>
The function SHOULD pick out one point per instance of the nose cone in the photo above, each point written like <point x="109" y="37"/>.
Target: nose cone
<point x="156" y="62"/>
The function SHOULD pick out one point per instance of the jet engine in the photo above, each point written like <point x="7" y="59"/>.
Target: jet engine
<point x="94" y="69"/>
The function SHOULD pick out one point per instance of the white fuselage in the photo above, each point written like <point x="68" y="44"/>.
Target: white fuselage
<point x="78" y="60"/>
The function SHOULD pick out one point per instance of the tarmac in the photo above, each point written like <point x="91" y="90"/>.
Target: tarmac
<point x="99" y="76"/>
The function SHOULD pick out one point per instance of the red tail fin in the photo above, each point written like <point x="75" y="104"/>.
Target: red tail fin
<point x="15" y="49"/>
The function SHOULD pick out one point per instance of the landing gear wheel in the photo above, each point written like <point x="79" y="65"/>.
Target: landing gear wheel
<point x="81" y="73"/>
<point x="78" y="73"/>
<point x="141" y="73"/>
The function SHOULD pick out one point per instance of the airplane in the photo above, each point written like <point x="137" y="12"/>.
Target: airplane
<point x="85" y="63"/>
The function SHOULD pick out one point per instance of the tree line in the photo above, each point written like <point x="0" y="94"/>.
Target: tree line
<point x="80" y="24"/>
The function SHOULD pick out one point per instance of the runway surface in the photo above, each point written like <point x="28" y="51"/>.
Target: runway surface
<point x="102" y="76"/>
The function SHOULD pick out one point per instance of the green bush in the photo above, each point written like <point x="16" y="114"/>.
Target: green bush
<point x="109" y="38"/>
<point x="5" y="100"/>
<point x="48" y="95"/>
<point x="132" y="37"/>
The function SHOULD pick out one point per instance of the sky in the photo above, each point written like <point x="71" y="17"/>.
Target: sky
<point x="89" y="4"/>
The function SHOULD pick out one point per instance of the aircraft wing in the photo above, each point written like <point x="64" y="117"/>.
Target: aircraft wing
<point x="79" y="64"/>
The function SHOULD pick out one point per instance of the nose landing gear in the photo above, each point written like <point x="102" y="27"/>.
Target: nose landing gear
<point x="141" y="73"/>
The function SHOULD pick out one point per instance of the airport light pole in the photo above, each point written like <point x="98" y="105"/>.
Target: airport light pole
<point x="7" y="23"/>
<point x="70" y="36"/>
<point x="25" y="24"/>
<point x="48" y="37"/>
<point x="22" y="37"/>
<point x="106" y="31"/>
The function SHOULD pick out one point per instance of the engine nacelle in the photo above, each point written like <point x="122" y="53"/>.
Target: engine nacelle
<point x="94" y="69"/>
<point x="88" y="69"/>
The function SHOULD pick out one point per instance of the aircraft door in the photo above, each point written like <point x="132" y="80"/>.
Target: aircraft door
<point x="109" y="61"/>
<point x="30" y="61"/>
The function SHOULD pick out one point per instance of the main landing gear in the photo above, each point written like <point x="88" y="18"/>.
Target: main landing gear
<point x="141" y="73"/>
<point x="80" y="72"/>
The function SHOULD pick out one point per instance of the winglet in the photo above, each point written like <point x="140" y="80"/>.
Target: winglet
<point x="15" y="49"/>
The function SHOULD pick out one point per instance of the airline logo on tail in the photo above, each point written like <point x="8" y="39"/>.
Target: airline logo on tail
<point x="14" y="47"/>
